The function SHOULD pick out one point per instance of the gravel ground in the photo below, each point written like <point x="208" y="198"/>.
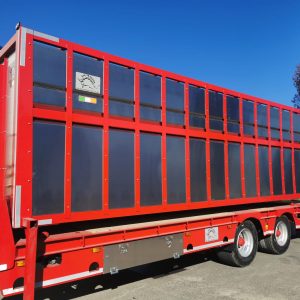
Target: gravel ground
<point x="193" y="277"/>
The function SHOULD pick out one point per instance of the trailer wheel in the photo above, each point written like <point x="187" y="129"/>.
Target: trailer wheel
<point x="243" y="251"/>
<point x="279" y="241"/>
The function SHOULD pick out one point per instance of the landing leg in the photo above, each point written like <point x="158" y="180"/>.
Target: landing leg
<point x="30" y="259"/>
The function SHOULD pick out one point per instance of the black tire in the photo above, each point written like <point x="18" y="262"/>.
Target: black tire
<point x="230" y="255"/>
<point x="270" y="243"/>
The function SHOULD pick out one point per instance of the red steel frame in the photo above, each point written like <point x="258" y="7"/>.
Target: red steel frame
<point x="86" y="247"/>
<point x="28" y="112"/>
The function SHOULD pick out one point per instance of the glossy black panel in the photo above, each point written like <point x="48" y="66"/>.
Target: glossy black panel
<point x="150" y="113"/>
<point x="297" y="169"/>
<point x="175" y="118"/>
<point x="233" y="114"/>
<point x="296" y="127"/>
<point x="248" y="112"/>
<point x="249" y="129"/>
<point x="49" y="96"/>
<point x="216" y="110"/>
<point x="150" y="89"/>
<point x="274" y="117"/>
<point x="286" y="125"/>
<point x="48" y="168"/>
<point x="234" y="166"/>
<point x="288" y="173"/>
<point x="49" y="65"/>
<point x="262" y="131"/>
<point x="49" y="75"/>
<point x="119" y="108"/>
<point x="217" y="170"/>
<point x="215" y="104"/>
<point x="262" y="114"/>
<point x="121" y="168"/>
<point x="249" y="166"/>
<point x="262" y="120"/>
<point x="121" y="82"/>
<point x="197" y="100"/>
<point x="285" y="119"/>
<point x="216" y="124"/>
<point x="150" y="169"/>
<point x="263" y="158"/>
<point x="89" y="66"/>
<point x="233" y="127"/>
<point x="276" y="171"/>
<point x="197" y="121"/>
<point x="86" y="168"/>
<point x="175" y="94"/>
<point x="176" y="169"/>
<point x="198" y="170"/>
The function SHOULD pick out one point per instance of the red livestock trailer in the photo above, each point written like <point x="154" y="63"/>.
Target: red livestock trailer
<point x="102" y="157"/>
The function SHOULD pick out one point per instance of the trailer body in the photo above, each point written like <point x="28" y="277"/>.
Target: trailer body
<point x="88" y="136"/>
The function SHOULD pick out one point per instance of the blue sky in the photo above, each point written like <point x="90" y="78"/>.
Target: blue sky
<point x="251" y="46"/>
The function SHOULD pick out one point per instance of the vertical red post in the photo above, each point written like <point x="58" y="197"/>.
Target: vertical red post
<point x="270" y="149"/>
<point x="137" y="137"/>
<point x="31" y="231"/>
<point x="256" y="151"/>
<point x="164" y="143"/>
<point x="242" y="148"/>
<point x="293" y="152"/>
<point x="281" y="152"/>
<point x="227" y="187"/>
<point x="208" y="184"/>
<point x="105" y="174"/>
<point x="187" y="142"/>
<point x="68" y="146"/>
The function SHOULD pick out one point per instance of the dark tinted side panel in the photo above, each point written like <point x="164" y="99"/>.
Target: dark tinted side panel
<point x="198" y="170"/>
<point x="175" y="102"/>
<point x="274" y="116"/>
<point x="262" y="120"/>
<point x="297" y="170"/>
<point x="286" y="132"/>
<point x="276" y="171"/>
<point x="233" y="114"/>
<point x="216" y="110"/>
<point x="150" y="97"/>
<point x="263" y="158"/>
<point x="296" y="127"/>
<point x="288" y="173"/>
<point x="48" y="168"/>
<point x="248" y="117"/>
<point x="49" y="74"/>
<point x="234" y="166"/>
<point x="197" y="106"/>
<point x="87" y="83"/>
<point x="217" y="170"/>
<point x="249" y="166"/>
<point x="121" y="168"/>
<point x="86" y="168"/>
<point x="176" y="169"/>
<point x="150" y="169"/>
<point x="121" y="90"/>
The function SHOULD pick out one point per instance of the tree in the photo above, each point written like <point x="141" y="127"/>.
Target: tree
<point x="296" y="79"/>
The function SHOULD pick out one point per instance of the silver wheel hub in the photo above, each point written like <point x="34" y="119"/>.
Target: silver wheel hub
<point x="245" y="242"/>
<point x="281" y="233"/>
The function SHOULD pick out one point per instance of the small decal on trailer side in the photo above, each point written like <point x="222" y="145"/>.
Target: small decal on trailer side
<point x="211" y="234"/>
<point x="88" y="83"/>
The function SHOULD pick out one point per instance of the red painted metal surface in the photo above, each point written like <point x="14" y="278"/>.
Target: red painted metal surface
<point x="7" y="246"/>
<point x="28" y="112"/>
<point x="79" y="249"/>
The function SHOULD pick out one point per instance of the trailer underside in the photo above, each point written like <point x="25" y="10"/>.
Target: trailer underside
<point x="47" y="257"/>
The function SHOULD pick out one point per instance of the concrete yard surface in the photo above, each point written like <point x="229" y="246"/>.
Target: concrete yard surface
<point x="197" y="276"/>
